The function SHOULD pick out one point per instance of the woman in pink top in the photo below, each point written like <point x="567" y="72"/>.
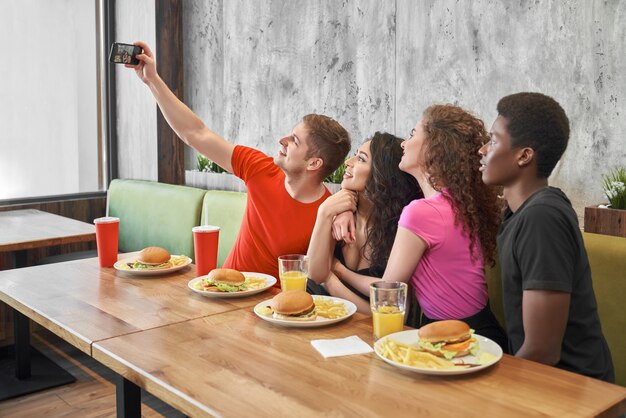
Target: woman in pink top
<point x="444" y="240"/>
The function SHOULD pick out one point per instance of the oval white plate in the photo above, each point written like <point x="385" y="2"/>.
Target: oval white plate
<point x="121" y="265"/>
<point x="269" y="282"/>
<point x="318" y="322"/>
<point x="410" y="337"/>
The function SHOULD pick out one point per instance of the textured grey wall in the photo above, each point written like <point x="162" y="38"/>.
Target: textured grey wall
<point x="473" y="53"/>
<point x="253" y="68"/>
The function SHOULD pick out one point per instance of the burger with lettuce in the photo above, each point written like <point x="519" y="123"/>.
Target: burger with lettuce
<point x="448" y="339"/>
<point x="224" y="280"/>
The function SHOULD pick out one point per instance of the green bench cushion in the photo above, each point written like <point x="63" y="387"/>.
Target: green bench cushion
<point x="155" y="214"/>
<point x="224" y="209"/>
<point x="607" y="257"/>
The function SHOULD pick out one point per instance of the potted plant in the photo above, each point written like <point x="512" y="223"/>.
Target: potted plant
<point x="609" y="219"/>
<point x="333" y="182"/>
<point x="208" y="175"/>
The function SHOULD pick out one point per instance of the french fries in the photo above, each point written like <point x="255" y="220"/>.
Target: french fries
<point x="327" y="308"/>
<point x="177" y="260"/>
<point x="255" y="282"/>
<point x="265" y="311"/>
<point x="412" y="356"/>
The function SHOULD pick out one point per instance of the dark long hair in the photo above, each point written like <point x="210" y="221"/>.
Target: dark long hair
<point x="389" y="190"/>
<point x="453" y="138"/>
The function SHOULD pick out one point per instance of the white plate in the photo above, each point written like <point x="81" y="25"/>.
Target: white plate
<point x="318" y="322"/>
<point x="269" y="282"/>
<point x="121" y="265"/>
<point x="411" y="338"/>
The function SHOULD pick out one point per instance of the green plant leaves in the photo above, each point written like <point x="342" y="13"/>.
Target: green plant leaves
<point x="614" y="185"/>
<point x="206" y="165"/>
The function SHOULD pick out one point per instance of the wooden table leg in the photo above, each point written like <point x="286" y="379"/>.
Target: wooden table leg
<point x="22" y="345"/>
<point x="25" y="370"/>
<point x="128" y="399"/>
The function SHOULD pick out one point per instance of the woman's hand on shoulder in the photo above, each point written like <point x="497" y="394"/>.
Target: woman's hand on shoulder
<point x="344" y="227"/>
<point x="342" y="201"/>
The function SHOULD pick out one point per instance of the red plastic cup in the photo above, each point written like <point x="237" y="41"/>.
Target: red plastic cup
<point x="107" y="232"/>
<point x="205" y="242"/>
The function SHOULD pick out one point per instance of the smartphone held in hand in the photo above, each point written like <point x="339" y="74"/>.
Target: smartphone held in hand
<point x="124" y="54"/>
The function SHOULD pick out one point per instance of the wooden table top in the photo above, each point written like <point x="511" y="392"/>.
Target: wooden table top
<point x="235" y="364"/>
<point x="30" y="228"/>
<point x="82" y="302"/>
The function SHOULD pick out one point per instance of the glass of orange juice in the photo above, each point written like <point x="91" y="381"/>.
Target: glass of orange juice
<point x="293" y="270"/>
<point x="388" y="303"/>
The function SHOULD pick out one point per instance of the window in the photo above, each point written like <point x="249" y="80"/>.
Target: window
<point x="51" y="135"/>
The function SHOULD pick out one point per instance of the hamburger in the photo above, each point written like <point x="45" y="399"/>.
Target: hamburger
<point x="224" y="280"/>
<point x="152" y="258"/>
<point x="294" y="305"/>
<point x="448" y="339"/>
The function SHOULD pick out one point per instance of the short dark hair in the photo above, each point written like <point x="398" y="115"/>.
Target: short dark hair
<point x="329" y="141"/>
<point x="539" y="122"/>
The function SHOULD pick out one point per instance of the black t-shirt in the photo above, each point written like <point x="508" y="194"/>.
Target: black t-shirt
<point x="315" y="289"/>
<point x="365" y="272"/>
<point x="541" y="248"/>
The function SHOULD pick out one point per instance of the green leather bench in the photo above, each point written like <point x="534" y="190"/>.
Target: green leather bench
<point x="607" y="258"/>
<point x="155" y="214"/>
<point x="160" y="214"/>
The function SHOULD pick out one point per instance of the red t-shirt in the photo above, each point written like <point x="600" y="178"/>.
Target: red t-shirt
<point x="273" y="223"/>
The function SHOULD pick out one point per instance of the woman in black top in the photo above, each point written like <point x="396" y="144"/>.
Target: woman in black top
<point x="376" y="189"/>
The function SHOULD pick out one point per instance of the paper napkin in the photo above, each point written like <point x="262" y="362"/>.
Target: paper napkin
<point x="341" y="347"/>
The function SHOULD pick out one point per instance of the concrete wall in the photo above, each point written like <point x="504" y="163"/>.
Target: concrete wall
<point x="253" y="69"/>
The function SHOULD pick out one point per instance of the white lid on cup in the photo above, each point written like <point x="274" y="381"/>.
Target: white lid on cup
<point x="205" y="228"/>
<point x="106" y="220"/>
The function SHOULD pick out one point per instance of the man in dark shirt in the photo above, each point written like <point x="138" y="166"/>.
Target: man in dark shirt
<point x="549" y="304"/>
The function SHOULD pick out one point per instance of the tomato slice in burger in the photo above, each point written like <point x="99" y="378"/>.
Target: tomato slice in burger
<point x="464" y="345"/>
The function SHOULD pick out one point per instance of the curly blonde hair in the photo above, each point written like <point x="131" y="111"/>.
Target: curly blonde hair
<point x="450" y="157"/>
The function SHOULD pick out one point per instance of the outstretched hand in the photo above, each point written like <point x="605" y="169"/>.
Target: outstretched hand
<point x="146" y="69"/>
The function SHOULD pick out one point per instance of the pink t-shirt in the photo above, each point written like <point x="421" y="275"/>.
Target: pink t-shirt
<point x="448" y="283"/>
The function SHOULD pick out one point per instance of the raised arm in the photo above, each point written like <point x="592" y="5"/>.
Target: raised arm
<point x="180" y="118"/>
<point x="322" y="244"/>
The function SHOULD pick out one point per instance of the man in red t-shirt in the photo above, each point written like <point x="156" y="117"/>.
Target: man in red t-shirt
<point x="284" y="192"/>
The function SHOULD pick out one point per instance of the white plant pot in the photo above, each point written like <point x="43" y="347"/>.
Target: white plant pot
<point x="333" y="187"/>
<point x="226" y="181"/>
<point x="214" y="181"/>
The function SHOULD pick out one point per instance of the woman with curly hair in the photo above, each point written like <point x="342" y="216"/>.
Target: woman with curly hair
<point x="445" y="239"/>
<point x="377" y="189"/>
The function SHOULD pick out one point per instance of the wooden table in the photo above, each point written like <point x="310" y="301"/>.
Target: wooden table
<point x="84" y="303"/>
<point x="235" y="364"/>
<point x="30" y="228"/>
<point x="23" y="230"/>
